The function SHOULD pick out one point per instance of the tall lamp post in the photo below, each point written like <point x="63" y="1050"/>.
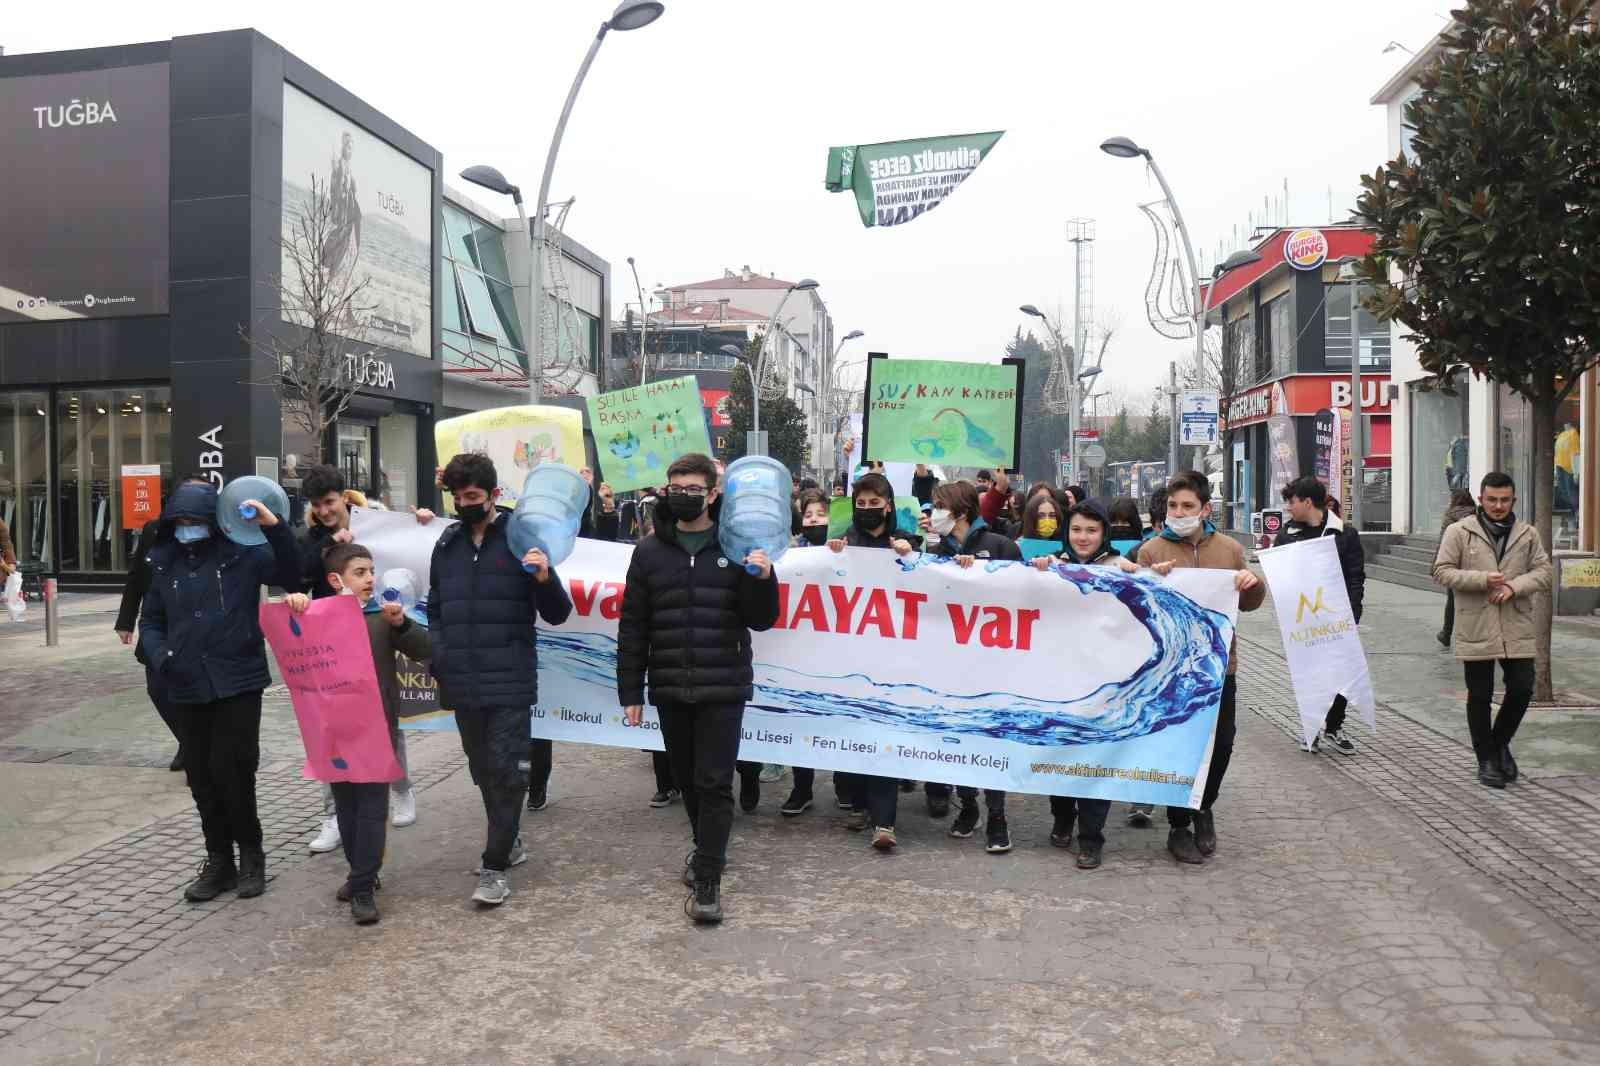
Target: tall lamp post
<point x="824" y="386"/>
<point x="1072" y="385"/>
<point x="629" y="15"/>
<point x="644" y="322"/>
<point x="756" y="445"/>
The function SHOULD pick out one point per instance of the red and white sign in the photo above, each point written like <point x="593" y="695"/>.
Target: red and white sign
<point x="1305" y="394"/>
<point x="1305" y="249"/>
<point x="716" y="401"/>
<point x="141" y="495"/>
<point x="1092" y="435"/>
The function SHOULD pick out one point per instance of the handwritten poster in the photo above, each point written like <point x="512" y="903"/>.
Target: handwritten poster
<point x="325" y="658"/>
<point x="935" y="411"/>
<point x="517" y="439"/>
<point x="639" y="431"/>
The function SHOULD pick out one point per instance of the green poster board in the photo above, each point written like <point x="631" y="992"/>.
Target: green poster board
<point x="938" y="411"/>
<point x="841" y="511"/>
<point x="638" y="432"/>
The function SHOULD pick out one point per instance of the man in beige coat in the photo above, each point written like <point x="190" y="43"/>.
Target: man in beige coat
<point x="1495" y="564"/>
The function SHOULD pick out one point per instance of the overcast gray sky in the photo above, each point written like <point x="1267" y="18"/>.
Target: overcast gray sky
<point x="700" y="142"/>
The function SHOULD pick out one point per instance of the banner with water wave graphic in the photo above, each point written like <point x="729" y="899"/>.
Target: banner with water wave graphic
<point x="1080" y="681"/>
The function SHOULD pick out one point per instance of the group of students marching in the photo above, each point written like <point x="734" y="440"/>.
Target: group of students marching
<point x="683" y="644"/>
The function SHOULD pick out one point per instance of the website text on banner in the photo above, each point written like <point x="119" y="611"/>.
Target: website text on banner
<point x="938" y="411"/>
<point x="1320" y="638"/>
<point x="325" y="658"/>
<point x="517" y="439"/>
<point x="1090" y="682"/>
<point x="639" y="431"/>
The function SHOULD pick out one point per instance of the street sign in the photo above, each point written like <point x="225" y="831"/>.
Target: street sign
<point x="1088" y="435"/>
<point x="1198" y="413"/>
<point x="1094" y="456"/>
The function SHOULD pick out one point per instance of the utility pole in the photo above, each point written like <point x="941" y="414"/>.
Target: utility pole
<point x="1172" y="421"/>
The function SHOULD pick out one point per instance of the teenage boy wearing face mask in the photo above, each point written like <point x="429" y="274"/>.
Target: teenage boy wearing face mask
<point x="1190" y="539"/>
<point x="872" y="525"/>
<point x="483" y="604"/>
<point x="198" y="627"/>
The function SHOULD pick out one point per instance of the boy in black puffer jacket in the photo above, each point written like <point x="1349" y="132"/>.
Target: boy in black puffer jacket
<point x="687" y="612"/>
<point x="482" y="607"/>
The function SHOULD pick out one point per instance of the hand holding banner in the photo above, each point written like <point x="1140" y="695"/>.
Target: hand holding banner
<point x="1320" y="640"/>
<point x="325" y="658"/>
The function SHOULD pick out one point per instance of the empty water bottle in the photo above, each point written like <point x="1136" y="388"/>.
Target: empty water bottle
<point x="756" y="512"/>
<point x="548" y="513"/>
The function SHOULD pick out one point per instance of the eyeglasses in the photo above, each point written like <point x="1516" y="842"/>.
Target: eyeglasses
<point x="687" y="490"/>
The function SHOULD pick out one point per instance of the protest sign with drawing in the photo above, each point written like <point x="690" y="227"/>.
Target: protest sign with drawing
<point x="938" y="411"/>
<point x="639" y="431"/>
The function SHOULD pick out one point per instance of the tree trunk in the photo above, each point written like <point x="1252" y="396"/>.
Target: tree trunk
<point x="1544" y="478"/>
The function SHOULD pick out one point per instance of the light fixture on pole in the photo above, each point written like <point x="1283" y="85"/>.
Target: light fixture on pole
<point x="824" y="388"/>
<point x="629" y="15"/>
<point x="1071" y="358"/>
<point x="1352" y="507"/>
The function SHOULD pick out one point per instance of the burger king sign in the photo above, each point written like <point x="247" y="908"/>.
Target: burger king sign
<point x="1305" y="249"/>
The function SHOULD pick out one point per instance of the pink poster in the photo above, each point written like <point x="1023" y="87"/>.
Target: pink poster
<point x="325" y="658"/>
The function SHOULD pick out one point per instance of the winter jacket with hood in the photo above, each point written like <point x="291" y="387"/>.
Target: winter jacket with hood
<point x="134" y="589"/>
<point x="1106" y="551"/>
<point x="981" y="542"/>
<point x="199" y="625"/>
<point x="686" y="622"/>
<point x="1352" y="561"/>
<point x="482" y="608"/>
<point x="1213" y="551"/>
<point x="1466" y="558"/>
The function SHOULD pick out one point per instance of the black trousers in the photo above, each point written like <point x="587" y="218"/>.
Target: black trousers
<point x="1221" y="755"/>
<point x="1088" y="814"/>
<point x="993" y="798"/>
<point x="1449" y="613"/>
<point x="663" y="768"/>
<point x="157" y="690"/>
<point x="878" y="796"/>
<point x="221" y="751"/>
<point x="363" y="812"/>
<point x="495" y="740"/>
<point x="1335" y="720"/>
<point x="541" y="756"/>
<point x="702" y="741"/>
<point x="1488" y="738"/>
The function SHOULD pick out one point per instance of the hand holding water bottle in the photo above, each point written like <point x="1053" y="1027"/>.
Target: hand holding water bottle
<point x="538" y="564"/>
<point x="758" y="564"/>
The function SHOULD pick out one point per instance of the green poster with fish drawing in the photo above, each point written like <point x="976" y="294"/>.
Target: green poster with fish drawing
<point x="639" y="431"/>
<point x="939" y="411"/>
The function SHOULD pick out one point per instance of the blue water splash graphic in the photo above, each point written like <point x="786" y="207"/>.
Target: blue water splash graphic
<point x="1181" y="678"/>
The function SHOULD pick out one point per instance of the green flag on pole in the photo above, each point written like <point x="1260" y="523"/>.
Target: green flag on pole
<point x="896" y="181"/>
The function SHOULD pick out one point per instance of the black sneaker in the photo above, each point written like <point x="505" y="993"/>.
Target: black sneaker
<point x="999" y="838"/>
<point x="938" y="806"/>
<point x="688" y="870"/>
<point x="1181" y="843"/>
<point x="252" y="873"/>
<point x="1508" y="765"/>
<point x="704" y="904"/>
<point x="364" y="908"/>
<point x="1490" y="775"/>
<point x="1061" y="835"/>
<point x="966" y="821"/>
<point x="664" y="798"/>
<point x="749" y="793"/>
<point x="538" y="799"/>
<point x="797" y="804"/>
<point x="1089" y="857"/>
<point x="1205" y="832"/>
<point x="217" y="875"/>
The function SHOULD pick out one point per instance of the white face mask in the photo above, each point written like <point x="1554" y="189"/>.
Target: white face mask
<point x="941" y="521"/>
<point x="1186" y="526"/>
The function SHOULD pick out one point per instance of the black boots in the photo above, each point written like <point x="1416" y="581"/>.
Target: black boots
<point x="1508" y="765"/>
<point x="252" y="873"/>
<point x="217" y="875"/>
<point x="1205" y="832"/>
<point x="1489" y="773"/>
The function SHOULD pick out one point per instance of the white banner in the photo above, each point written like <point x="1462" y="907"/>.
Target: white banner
<point x="1320" y="639"/>
<point x="1082" y="681"/>
<point x="397" y="540"/>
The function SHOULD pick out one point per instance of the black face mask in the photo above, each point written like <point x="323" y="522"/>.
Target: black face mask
<point x="685" y="508"/>
<point x="472" y="513"/>
<point x="869" y="518"/>
<point x="815" y="535"/>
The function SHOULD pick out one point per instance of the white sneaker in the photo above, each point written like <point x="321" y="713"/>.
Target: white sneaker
<point x="1315" y="746"/>
<point x="328" y="839"/>
<point x="405" y="809"/>
<point x="492" y="888"/>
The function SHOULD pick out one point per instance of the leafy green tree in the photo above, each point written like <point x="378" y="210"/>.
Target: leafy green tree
<point x="1156" y="436"/>
<point x="787" y="438"/>
<point x="1122" y="444"/>
<point x="1486" y="231"/>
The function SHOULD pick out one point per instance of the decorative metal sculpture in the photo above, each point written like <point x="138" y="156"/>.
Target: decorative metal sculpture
<point x="1176" y="322"/>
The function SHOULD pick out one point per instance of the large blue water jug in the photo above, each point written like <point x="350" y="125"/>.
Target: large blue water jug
<point x="236" y="518"/>
<point x="756" y="512"/>
<point x="549" y="511"/>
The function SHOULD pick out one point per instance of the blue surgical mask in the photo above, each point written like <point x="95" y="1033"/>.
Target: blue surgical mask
<point x="190" y="534"/>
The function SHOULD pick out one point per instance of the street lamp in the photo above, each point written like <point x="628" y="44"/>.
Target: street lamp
<point x="629" y="15"/>
<point x="644" y="321"/>
<point x="1072" y="383"/>
<point x="739" y="360"/>
<point x="754" y="445"/>
<point x="824" y="387"/>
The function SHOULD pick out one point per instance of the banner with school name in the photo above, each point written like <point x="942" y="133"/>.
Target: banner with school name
<point x="1079" y="681"/>
<point x="896" y="181"/>
<point x="639" y="431"/>
<point x="943" y="411"/>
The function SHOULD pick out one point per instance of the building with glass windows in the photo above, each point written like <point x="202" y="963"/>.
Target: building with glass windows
<point x="1449" y="433"/>
<point x="1286" y="351"/>
<point x="170" y="213"/>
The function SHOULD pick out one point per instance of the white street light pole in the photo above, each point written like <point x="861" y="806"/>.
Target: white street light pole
<point x="824" y="386"/>
<point x="803" y="285"/>
<point x="644" y="322"/>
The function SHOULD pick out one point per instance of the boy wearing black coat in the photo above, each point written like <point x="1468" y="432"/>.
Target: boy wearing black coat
<point x="687" y="612"/>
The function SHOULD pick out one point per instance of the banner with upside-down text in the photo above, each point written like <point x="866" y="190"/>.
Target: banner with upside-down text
<point x="1079" y="681"/>
<point x="897" y="181"/>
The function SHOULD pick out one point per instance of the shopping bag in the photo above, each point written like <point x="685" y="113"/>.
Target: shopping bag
<point x="16" y="606"/>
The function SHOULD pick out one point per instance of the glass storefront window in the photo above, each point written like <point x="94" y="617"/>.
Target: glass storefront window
<point x="1569" y="473"/>
<point x="25" y="490"/>
<point x="397" y="461"/>
<point x="1336" y="329"/>
<point x="1515" y="455"/>
<point x="355" y="455"/>
<point x="1439" y="450"/>
<point x="98" y="433"/>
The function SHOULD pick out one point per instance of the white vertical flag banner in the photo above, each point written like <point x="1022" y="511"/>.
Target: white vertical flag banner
<point x="1320" y="639"/>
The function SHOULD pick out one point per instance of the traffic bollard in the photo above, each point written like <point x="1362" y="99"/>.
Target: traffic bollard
<point x="52" y="620"/>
